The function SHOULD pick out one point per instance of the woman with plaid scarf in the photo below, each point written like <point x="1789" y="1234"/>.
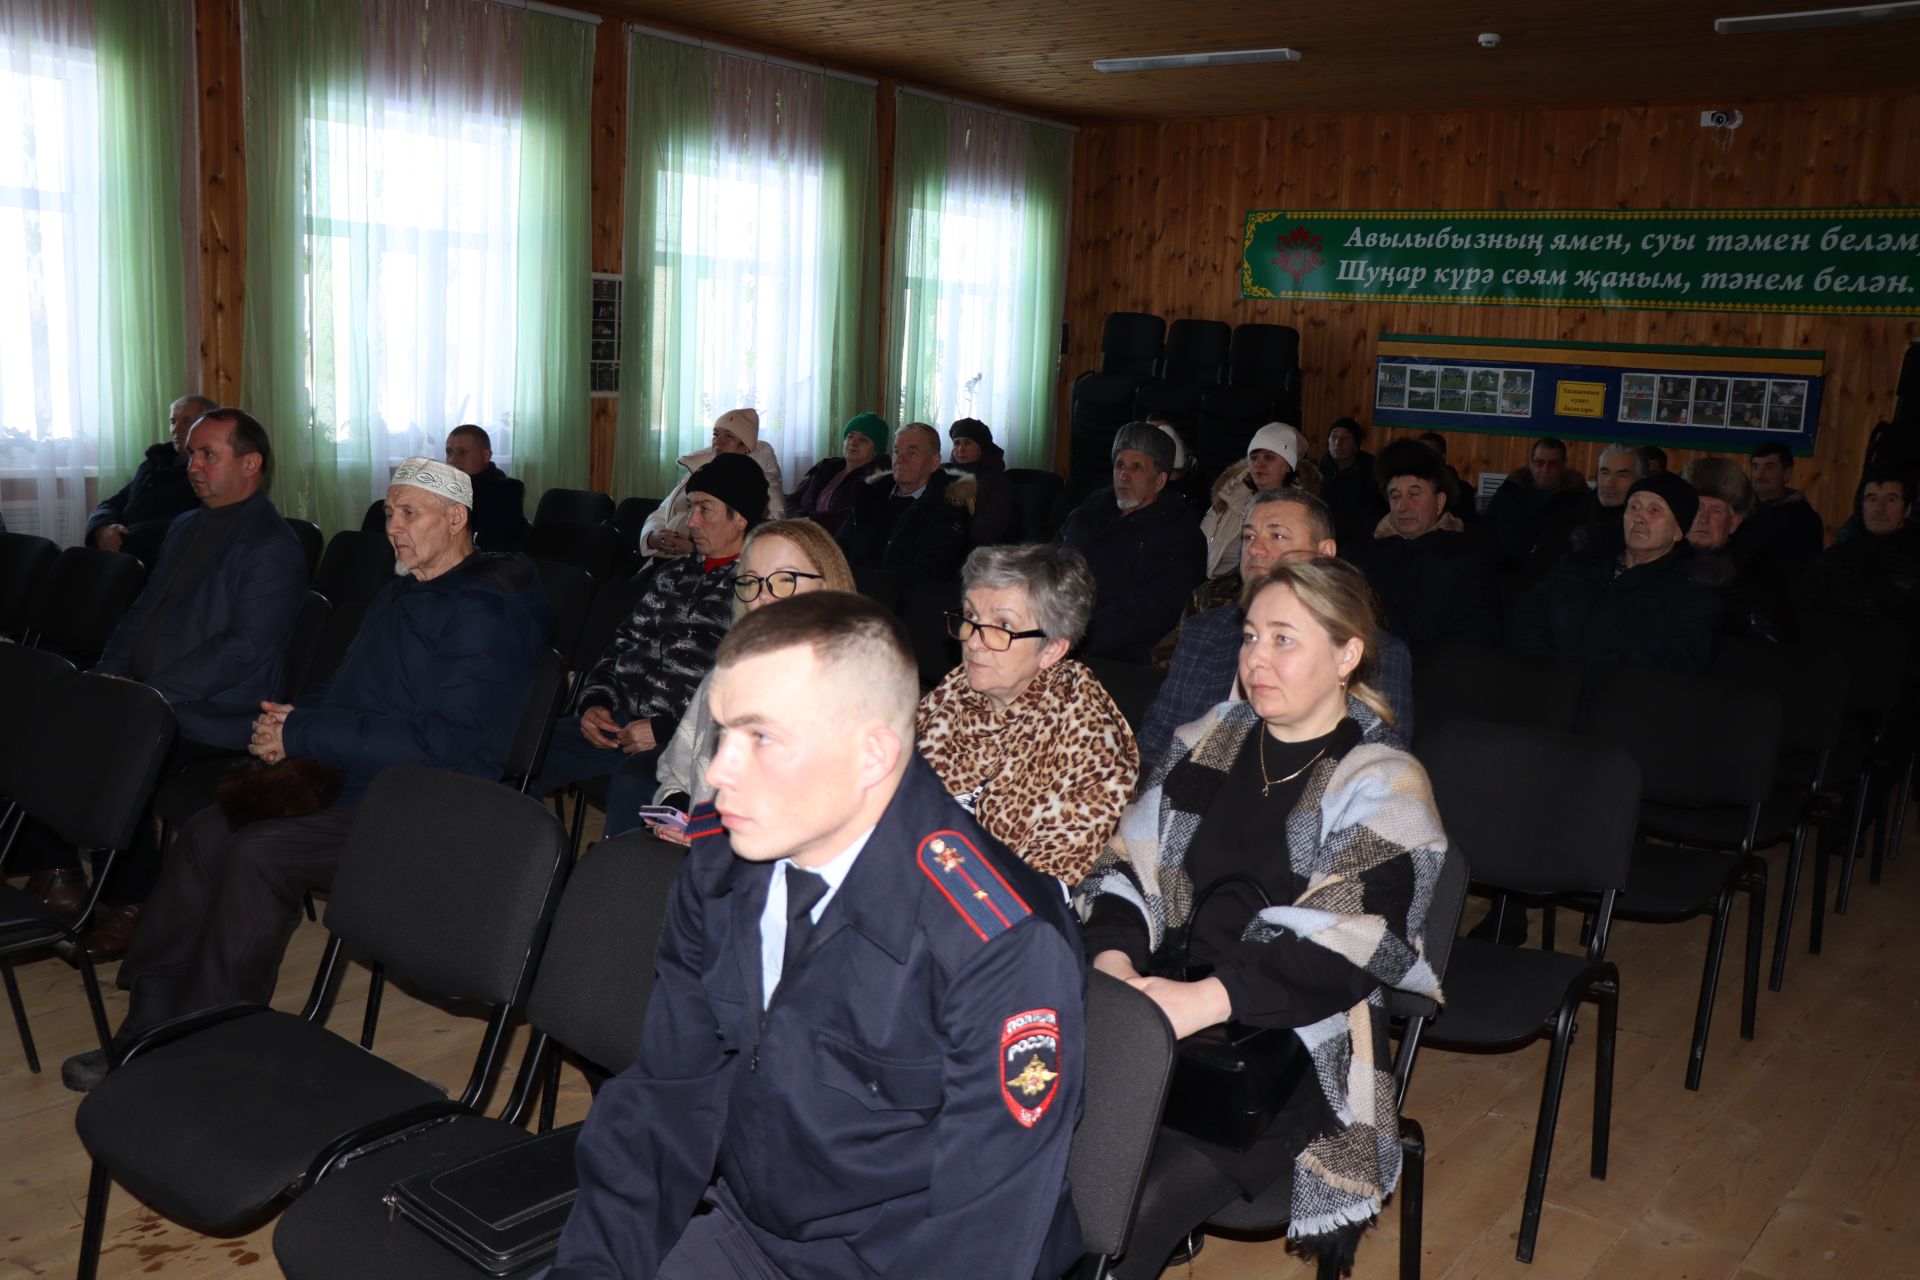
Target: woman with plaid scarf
<point x="1297" y="789"/>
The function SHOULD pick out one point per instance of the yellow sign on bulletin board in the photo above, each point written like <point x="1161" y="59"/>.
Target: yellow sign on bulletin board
<point x="1580" y="399"/>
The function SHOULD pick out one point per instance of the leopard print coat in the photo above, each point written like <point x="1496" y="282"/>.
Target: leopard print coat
<point x="1049" y="777"/>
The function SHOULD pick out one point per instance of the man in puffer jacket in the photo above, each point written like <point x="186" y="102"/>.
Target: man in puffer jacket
<point x="665" y="533"/>
<point x="633" y="698"/>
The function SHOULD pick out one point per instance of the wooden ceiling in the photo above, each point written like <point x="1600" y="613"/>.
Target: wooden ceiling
<point x="1357" y="54"/>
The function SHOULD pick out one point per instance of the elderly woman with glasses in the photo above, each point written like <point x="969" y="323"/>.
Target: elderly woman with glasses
<point x="1024" y="737"/>
<point x="781" y="558"/>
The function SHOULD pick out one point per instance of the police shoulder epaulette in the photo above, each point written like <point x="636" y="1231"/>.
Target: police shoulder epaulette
<point x="970" y="882"/>
<point x="704" y="821"/>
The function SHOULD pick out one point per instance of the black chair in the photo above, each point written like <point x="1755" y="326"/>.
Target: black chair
<point x="90" y="788"/>
<point x="24" y="562"/>
<point x="303" y="645"/>
<point x="1131" y="686"/>
<point x="375" y="521"/>
<point x="573" y="506"/>
<point x="357" y="564"/>
<point x="1875" y="656"/>
<point x="883" y="586"/>
<point x="1272" y="1211"/>
<point x="28" y="679"/>
<point x="590" y="996"/>
<point x="613" y="604"/>
<point x="82" y="597"/>
<point x="1129" y="1060"/>
<point x="1195" y="362"/>
<point x="545" y="700"/>
<point x="1471" y="682"/>
<point x="1262" y="385"/>
<point x="1034" y="492"/>
<point x="312" y="542"/>
<point x="594" y="548"/>
<point x="1703" y="750"/>
<point x="570" y="589"/>
<point x="1541" y="814"/>
<point x="448" y="882"/>
<point x="1131" y="344"/>
<point x="631" y="514"/>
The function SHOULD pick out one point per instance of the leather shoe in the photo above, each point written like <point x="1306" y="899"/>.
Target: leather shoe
<point x="65" y="889"/>
<point x="113" y="930"/>
<point x="83" y="1071"/>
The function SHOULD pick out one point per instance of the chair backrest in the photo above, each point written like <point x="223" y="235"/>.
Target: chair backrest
<point x="312" y="542"/>
<point x="81" y="600"/>
<point x="303" y="644"/>
<point x="545" y="699"/>
<point x="449" y="881"/>
<point x="336" y="637"/>
<point x="356" y="565"/>
<point x="1197" y="351"/>
<point x="95" y="761"/>
<point x="1537" y="810"/>
<point x="1131" y="343"/>
<point x="573" y="506"/>
<point x="612" y="605"/>
<point x="1443" y="923"/>
<point x="631" y="514"/>
<point x="1470" y="682"/>
<point x="1033" y="494"/>
<point x="883" y="586"/>
<point x="1131" y="686"/>
<point x="594" y="548"/>
<point x="1263" y="355"/>
<point x="1129" y="1059"/>
<point x="1875" y="654"/>
<point x="570" y="590"/>
<point x="24" y="561"/>
<point x="1698" y="742"/>
<point x="32" y="683"/>
<point x="375" y="521"/>
<point x="1812" y="687"/>
<point x="597" y="971"/>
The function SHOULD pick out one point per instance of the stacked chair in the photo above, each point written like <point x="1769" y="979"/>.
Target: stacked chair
<point x="1262" y="386"/>
<point x="1131" y="344"/>
<point x="1195" y="363"/>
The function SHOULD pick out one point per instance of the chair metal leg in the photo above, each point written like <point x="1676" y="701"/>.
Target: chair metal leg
<point x="376" y="983"/>
<point x="19" y="1014"/>
<point x="1709" y="981"/>
<point x="1789" y="892"/>
<point x="307" y="901"/>
<point x="550" y="1090"/>
<point x="91" y="981"/>
<point x="1904" y="795"/>
<point x="1755" y="883"/>
<point x="1543" y="1130"/>
<point x="1609" y="994"/>
<point x="1852" y="851"/>
<point x="94" y="1229"/>
<point x="579" y="819"/>
<point x="1817" y="918"/>
<point x="1413" y="1189"/>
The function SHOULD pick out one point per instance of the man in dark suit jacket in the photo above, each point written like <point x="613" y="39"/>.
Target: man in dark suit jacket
<point x="904" y="521"/>
<point x="135" y="519"/>
<point x="499" y="501"/>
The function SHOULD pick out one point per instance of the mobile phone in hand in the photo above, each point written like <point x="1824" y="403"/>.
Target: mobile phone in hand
<point x="662" y="815"/>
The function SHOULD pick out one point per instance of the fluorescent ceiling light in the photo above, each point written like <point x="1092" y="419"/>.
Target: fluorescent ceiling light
<point x="1232" y="57"/>
<point x="1805" y="18"/>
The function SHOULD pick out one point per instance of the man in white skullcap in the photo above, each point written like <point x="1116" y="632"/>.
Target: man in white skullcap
<point x="442" y="665"/>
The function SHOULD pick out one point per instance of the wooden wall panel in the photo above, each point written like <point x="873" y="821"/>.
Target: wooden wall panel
<point x="1158" y="210"/>
<point x="222" y="194"/>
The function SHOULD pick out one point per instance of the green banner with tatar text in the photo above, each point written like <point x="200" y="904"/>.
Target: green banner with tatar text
<point x="1810" y="261"/>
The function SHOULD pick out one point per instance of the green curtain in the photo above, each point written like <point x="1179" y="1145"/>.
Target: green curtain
<point x="144" y="53"/>
<point x="919" y="191"/>
<point x="551" y="438"/>
<point x="1042" y="303"/>
<point x="850" y="258"/>
<point x="296" y="55"/>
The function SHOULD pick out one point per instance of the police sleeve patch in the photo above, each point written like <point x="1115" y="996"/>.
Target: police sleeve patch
<point x="1030" y="1064"/>
<point x="971" y="884"/>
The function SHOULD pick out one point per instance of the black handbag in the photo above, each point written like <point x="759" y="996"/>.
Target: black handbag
<point x="1230" y="1081"/>
<point x="502" y="1211"/>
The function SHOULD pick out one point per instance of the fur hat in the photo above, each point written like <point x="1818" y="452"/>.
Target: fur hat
<point x="1144" y="438"/>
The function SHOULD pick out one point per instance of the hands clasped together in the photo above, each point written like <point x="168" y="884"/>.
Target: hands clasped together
<point x="269" y="729"/>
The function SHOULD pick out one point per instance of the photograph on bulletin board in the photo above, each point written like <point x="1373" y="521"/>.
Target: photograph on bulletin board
<point x="1727" y="398"/>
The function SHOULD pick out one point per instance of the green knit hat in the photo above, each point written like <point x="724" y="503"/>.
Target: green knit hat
<point x="870" y="425"/>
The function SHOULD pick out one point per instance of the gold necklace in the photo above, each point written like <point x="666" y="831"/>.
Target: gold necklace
<point x="1267" y="784"/>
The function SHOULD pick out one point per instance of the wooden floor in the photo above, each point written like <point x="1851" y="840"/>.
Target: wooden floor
<point x="1796" y="1159"/>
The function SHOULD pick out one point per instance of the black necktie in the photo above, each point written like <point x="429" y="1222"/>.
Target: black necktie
<point x="804" y="890"/>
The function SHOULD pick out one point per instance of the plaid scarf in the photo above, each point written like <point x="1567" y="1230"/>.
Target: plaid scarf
<point x="1358" y="815"/>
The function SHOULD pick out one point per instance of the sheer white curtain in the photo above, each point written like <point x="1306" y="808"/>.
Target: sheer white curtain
<point x="50" y="263"/>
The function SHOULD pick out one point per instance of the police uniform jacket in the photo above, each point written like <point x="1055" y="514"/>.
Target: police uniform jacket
<point x="904" y="1104"/>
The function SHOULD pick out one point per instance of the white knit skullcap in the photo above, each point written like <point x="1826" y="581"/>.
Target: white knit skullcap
<point x="436" y="478"/>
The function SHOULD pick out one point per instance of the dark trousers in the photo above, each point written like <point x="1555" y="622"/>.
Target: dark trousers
<point x="571" y="758"/>
<point x="218" y="922"/>
<point x="716" y="1247"/>
<point x="1183" y="1189"/>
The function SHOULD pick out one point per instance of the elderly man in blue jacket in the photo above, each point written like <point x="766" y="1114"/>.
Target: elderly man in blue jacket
<point x="866" y="1044"/>
<point x="444" y="661"/>
<point x="208" y="633"/>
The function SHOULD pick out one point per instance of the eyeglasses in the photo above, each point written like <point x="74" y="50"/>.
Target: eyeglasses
<point x="779" y="585"/>
<point x="992" y="634"/>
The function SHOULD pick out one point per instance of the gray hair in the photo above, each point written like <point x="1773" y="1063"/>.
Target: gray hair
<point x="920" y="426"/>
<point x="198" y="401"/>
<point x="1144" y="437"/>
<point x="1319" y="514"/>
<point x="1639" y="463"/>
<point x="1056" y="579"/>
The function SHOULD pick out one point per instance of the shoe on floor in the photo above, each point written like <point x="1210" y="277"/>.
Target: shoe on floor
<point x="65" y="889"/>
<point x="83" y="1071"/>
<point x="113" y="930"/>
